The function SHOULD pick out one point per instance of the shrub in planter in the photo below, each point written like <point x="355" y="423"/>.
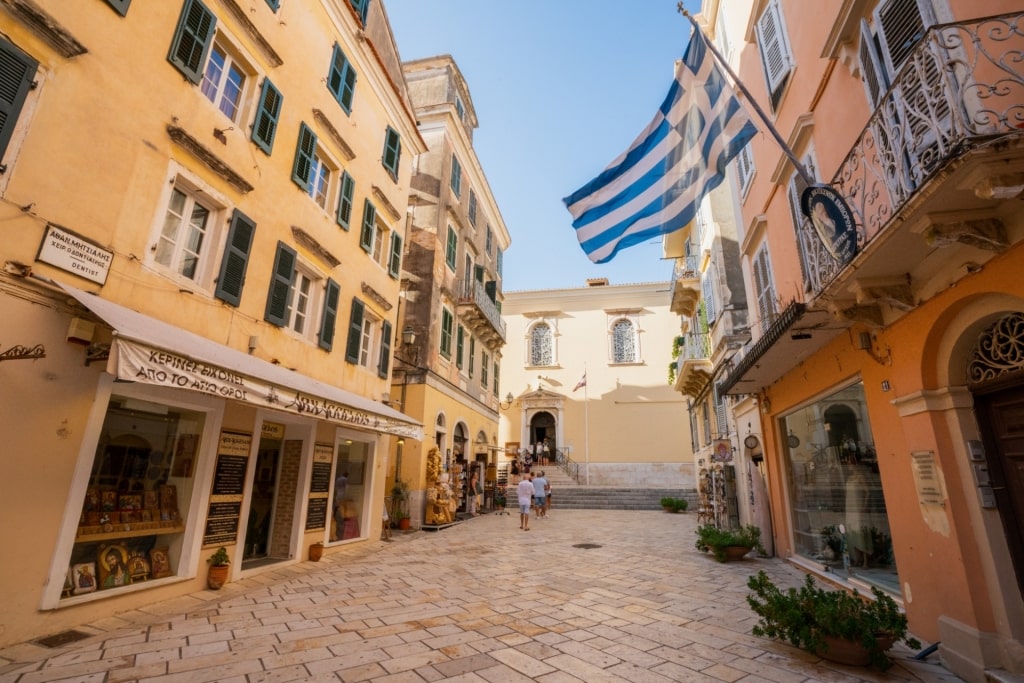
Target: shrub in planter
<point x="829" y="622"/>
<point x="217" y="575"/>
<point x="717" y="541"/>
<point x="674" y="504"/>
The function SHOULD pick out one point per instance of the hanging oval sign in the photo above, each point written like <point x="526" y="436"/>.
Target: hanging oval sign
<point x="832" y="221"/>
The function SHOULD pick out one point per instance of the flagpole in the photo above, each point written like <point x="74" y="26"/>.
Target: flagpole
<point x="586" y="424"/>
<point x="750" y="98"/>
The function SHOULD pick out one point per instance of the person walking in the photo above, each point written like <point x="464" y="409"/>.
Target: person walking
<point x="515" y="470"/>
<point x="471" y="498"/>
<point x="524" y="494"/>
<point x="540" y="493"/>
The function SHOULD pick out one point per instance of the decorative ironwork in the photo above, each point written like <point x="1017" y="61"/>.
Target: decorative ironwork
<point x="999" y="351"/>
<point x="17" y="352"/>
<point x="961" y="85"/>
<point x="541" y="345"/>
<point x="473" y="293"/>
<point x="624" y="341"/>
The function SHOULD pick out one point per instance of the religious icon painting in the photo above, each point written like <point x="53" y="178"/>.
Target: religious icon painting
<point x="83" y="575"/>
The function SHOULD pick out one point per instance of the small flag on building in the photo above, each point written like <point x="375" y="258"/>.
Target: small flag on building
<point x="655" y="187"/>
<point x="582" y="383"/>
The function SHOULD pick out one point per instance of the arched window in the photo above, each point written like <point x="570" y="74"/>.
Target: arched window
<point x="623" y="342"/>
<point x="542" y="350"/>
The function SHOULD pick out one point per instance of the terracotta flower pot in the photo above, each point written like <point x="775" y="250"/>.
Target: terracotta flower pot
<point x="735" y="552"/>
<point x="403" y="524"/>
<point x="851" y="652"/>
<point x="217" y="576"/>
<point x="316" y="551"/>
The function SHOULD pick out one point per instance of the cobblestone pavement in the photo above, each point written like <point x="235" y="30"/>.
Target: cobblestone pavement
<point x="480" y="601"/>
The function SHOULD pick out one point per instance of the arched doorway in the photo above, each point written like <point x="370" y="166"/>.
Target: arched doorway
<point x="542" y="433"/>
<point x="995" y="373"/>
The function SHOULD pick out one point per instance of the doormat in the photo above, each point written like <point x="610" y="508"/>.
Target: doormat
<point x="62" y="638"/>
<point x="587" y="546"/>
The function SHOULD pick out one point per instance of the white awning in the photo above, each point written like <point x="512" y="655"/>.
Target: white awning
<point x="150" y="351"/>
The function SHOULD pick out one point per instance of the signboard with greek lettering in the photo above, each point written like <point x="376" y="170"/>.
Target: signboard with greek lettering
<point x="146" y="365"/>
<point x="66" y="250"/>
<point x="225" y="510"/>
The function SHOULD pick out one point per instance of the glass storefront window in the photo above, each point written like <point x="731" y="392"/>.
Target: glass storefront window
<point x="350" y="471"/>
<point x="837" y="503"/>
<point x="139" y="491"/>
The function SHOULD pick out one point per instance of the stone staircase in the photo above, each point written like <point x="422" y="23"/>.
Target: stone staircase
<point x="568" y="495"/>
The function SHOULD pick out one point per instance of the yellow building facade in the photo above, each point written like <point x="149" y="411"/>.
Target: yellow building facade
<point x="203" y="215"/>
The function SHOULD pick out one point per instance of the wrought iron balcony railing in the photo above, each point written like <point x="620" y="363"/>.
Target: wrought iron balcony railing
<point x="696" y="347"/>
<point x="473" y="293"/>
<point x="961" y="85"/>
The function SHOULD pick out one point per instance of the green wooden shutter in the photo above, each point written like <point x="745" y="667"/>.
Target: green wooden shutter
<point x="460" y="344"/>
<point x="345" y="200"/>
<point x="120" y="6"/>
<point x="342" y="79"/>
<point x="385" y="349"/>
<point x="330" y="314"/>
<point x="274" y="4"/>
<point x="395" y="261"/>
<point x="369" y="223"/>
<point x="281" y="281"/>
<point x="392" y="151"/>
<point x="16" y="73"/>
<point x="355" y="331"/>
<point x="305" y="150"/>
<point x="471" y="360"/>
<point x="264" y="127"/>
<point x="236" y="259"/>
<point x="192" y="40"/>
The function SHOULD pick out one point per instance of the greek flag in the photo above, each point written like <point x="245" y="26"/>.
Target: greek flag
<point x="655" y="187"/>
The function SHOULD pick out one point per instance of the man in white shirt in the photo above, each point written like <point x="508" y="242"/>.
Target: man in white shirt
<point x="524" y="494"/>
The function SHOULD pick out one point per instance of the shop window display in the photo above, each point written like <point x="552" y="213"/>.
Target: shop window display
<point x="838" y="505"/>
<point x="131" y="526"/>
<point x="349" y="489"/>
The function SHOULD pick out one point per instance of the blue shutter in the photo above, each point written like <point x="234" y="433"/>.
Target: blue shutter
<point x="192" y="40"/>
<point x="342" y="79"/>
<point x="264" y="127"/>
<point x="236" y="259"/>
<point x="369" y="220"/>
<point x="361" y="7"/>
<point x="330" y="314"/>
<point x="395" y="262"/>
<point x="274" y="4"/>
<point x="281" y="281"/>
<point x="120" y="6"/>
<point x="345" y="201"/>
<point x="16" y="72"/>
<point x="355" y="331"/>
<point x="385" y="349"/>
<point x="305" y="150"/>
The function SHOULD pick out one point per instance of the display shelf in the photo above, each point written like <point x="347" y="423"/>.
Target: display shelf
<point x="86" y="535"/>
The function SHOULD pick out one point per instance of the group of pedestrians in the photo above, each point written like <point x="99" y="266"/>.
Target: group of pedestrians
<point x="533" y="492"/>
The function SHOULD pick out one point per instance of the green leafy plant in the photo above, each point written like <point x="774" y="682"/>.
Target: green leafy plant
<point x="672" y="373"/>
<point x="220" y="558"/>
<point x="807" y="616"/>
<point x="674" y="504"/>
<point x="714" y="540"/>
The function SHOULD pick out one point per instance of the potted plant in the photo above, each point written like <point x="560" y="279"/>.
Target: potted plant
<point x="400" y="502"/>
<point x="220" y="563"/>
<point x="728" y="544"/>
<point x="403" y="520"/>
<point x="316" y="551"/>
<point x="670" y="504"/>
<point x="834" y="624"/>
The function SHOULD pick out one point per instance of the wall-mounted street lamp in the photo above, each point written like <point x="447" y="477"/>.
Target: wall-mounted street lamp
<point x="507" y="403"/>
<point x="409" y="336"/>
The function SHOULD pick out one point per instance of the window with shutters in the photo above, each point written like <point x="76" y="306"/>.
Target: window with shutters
<point x="380" y="237"/>
<point x="485" y="364"/>
<point x="497" y="369"/>
<point x="471" y="211"/>
<point x="192" y="40"/>
<point x="341" y="79"/>
<point x="500" y="261"/>
<point x="361" y="7"/>
<point x="721" y="418"/>
<point x="17" y="71"/>
<point x="542" y="345"/>
<point x="776" y="54"/>
<point x="367" y="340"/>
<point x="188" y="229"/>
<point x="456" y="179"/>
<point x="384" y="356"/>
<point x="625" y="347"/>
<point x="451" y="248"/>
<point x="268" y="111"/>
<point x="745" y="170"/>
<point x="224" y="80"/>
<point x="345" y="198"/>
<point x="304" y="300"/>
<point x="490" y="242"/>
<point x="708" y="292"/>
<point x="764" y="287"/>
<point x="235" y="260"/>
<point x="395" y="255"/>
<point x="460" y="346"/>
<point x="392" y="152"/>
<point x="447" y="320"/>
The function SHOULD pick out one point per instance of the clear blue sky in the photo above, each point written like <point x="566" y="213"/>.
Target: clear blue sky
<point x="561" y="88"/>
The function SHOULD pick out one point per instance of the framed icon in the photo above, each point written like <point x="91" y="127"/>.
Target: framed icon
<point x="159" y="562"/>
<point x="113" y="561"/>
<point x="84" y="577"/>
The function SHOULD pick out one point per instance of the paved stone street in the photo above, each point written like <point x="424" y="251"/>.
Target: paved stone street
<point x="481" y="601"/>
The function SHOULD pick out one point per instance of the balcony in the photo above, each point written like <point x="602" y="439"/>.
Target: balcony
<point x="926" y="177"/>
<point x="685" y="287"/>
<point x="479" y="313"/>
<point x="694" y="368"/>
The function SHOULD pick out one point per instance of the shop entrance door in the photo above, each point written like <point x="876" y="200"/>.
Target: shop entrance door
<point x="261" y="505"/>
<point x="1001" y="417"/>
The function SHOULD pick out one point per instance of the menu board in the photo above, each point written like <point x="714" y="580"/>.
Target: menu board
<point x="320" y="482"/>
<point x="319" y="486"/>
<point x="225" y="509"/>
<point x="316" y="514"/>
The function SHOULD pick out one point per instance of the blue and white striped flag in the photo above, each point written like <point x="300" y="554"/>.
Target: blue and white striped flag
<point x="655" y="187"/>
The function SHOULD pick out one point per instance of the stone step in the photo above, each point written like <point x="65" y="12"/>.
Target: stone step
<point x="607" y="498"/>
